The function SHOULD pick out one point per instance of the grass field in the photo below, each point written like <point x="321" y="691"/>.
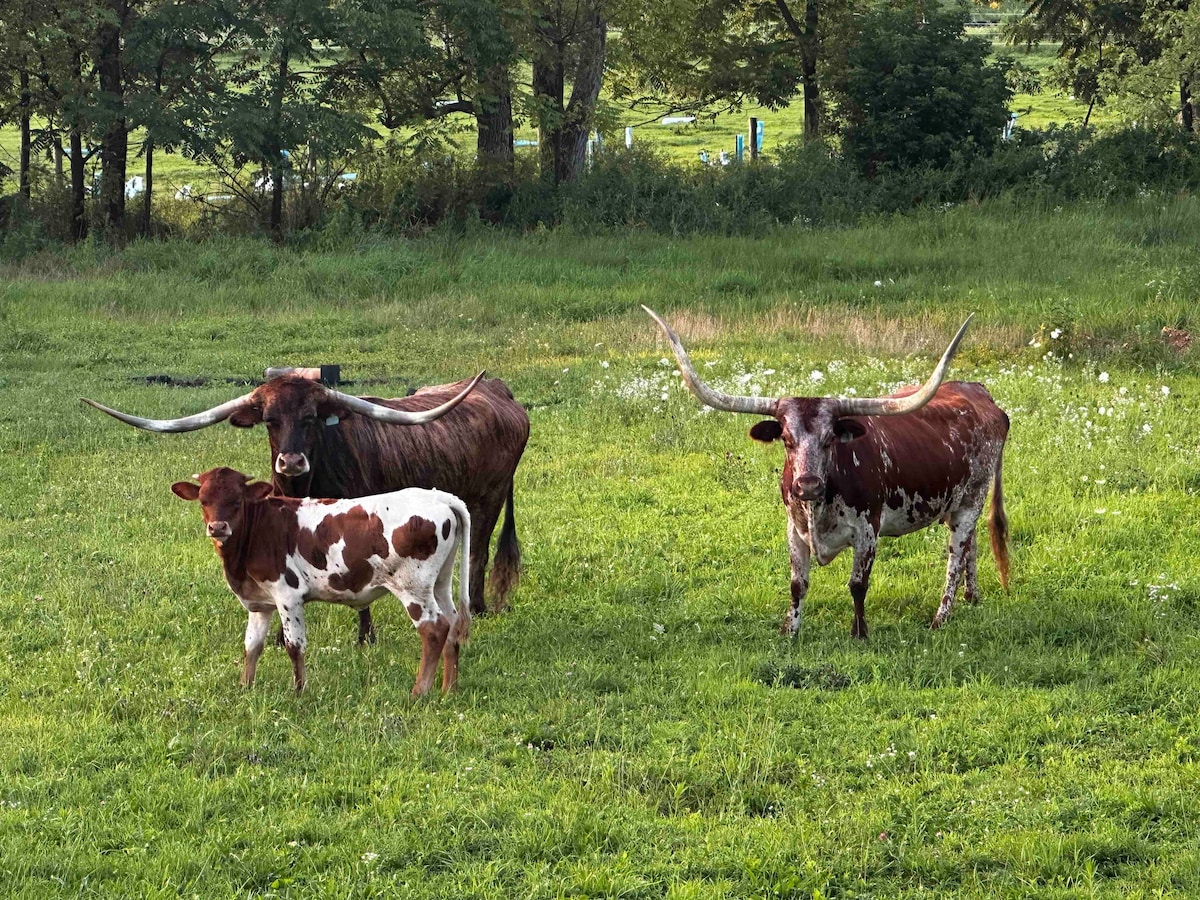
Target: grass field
<point x="634" y="726"/>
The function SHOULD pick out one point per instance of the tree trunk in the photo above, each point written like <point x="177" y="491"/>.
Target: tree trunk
<point x="548" y="86"/>
<point x="148" y="188"/>
<point x="585" y="91"/>
<point x="1187" y="110"/>
<point x="114" y="147"/>
<point x="494" y="120"/>
<point x="78" y="207"/>
<point x="808" y="64"/>
<point x="58" y="162"/>
<point x="275" y="221"/>
<point x="24" y="177"/>
<point x="806" y="37"/>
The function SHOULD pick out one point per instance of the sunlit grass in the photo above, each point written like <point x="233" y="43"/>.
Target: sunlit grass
<point x="634" y="726"/>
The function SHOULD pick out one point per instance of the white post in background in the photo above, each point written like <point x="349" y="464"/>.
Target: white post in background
<point x="739" y="146"/>
<point x="628" y="137"/>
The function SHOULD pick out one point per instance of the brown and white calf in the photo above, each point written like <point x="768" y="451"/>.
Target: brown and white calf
<point x="859" y="468"/>
<point x="279" y="553"/>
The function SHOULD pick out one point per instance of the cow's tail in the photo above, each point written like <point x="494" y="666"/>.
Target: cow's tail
<point x="998" y="522"/>
<point x="463" y="515"/>
<point x="506" y="567"/>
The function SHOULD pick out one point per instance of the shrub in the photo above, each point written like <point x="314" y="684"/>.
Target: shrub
<point x="918" y="94"/>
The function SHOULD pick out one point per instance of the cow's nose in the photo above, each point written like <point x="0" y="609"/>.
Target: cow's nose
<point x="807" y="487"/>
<point x="291" y="464"/>
<point x="219" y="530"/>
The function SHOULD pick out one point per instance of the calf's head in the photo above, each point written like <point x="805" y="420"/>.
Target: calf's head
<point x="293" y="409"/>
<point x="224" y="495"/>
<point x="810" y="427"/>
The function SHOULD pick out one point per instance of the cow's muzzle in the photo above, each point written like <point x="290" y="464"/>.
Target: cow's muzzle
<point x="808" y="487"/>
<point x="291" y="464"/>
<point x="219" y="531"/>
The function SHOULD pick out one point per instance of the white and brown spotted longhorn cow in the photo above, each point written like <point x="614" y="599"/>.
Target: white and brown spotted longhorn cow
<point x="859" y="468"/>
<point x="279" y="553"/>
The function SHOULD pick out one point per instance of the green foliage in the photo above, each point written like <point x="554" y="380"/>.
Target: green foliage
<point x="919" y="93"/>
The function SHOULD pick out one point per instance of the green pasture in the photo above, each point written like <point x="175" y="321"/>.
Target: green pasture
<point x="634" y="726"/>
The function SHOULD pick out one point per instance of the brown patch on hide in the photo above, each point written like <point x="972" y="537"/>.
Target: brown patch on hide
<point x="416" y="539"/>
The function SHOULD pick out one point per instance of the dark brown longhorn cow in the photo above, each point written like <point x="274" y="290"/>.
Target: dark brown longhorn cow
<point x="324" y="443"/>
<point x="858" y="468"/>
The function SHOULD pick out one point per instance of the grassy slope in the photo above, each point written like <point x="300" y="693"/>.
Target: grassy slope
<point x="613" y="735"/>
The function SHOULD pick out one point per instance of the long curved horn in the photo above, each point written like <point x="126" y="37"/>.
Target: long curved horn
<point x="894" y="406"/>
<point x="762" y="406"/>
<point x="400" y="416"/>
<point x="187" y="423"/>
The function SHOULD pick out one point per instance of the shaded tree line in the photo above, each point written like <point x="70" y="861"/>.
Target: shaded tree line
<point x="279" y="92"/>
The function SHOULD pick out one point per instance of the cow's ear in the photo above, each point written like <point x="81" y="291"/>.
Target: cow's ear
<point x="246" y="418"/>
<point x="848" y="430"/>
<point x="258" y="490"/>
<point x="766" y="431"/>
<point x="186" y="490"/>
<point x="333" y="411"/>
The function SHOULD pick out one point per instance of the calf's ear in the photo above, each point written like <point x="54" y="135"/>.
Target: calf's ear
<point x="767" y="431"/>
<point x="246" y="418"/>
<point x="848" y="430"/>
<point x="186" y="490"/>
<point x="259" y="490"/>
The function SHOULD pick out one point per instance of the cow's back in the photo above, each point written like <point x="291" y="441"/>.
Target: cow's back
<point x="472" y="451"/>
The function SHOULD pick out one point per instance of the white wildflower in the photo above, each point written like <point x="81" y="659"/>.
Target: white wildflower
<point x="1055" y="334"/>
<point x="816" y="376"/>
<point x="1166" y="391"/>
<point x="1104" y="378"/>
<point x="878" y="283"/>
<point x="604" y="363"/>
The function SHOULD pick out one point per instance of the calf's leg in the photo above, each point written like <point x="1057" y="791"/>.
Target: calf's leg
<point x="257" y="626"/>
<point x="291" y="614"/>
<point x="443" y="594"/>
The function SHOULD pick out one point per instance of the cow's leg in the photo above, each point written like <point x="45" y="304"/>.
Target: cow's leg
<point x="366" y="627"/>
<point x="257" y="626"/>
<point x="962" y="534"/>
<point x="860" y="580"/>
<point x="801" y="560"/>
<point x="970" y="584"/>
<point x="291" y="615"/>
<point x="483" y="521"/>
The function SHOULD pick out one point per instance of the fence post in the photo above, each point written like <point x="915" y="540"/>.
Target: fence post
<point x="739" y="146"/>
<point x="753" y="132"/>
<point x="628" y="137"/>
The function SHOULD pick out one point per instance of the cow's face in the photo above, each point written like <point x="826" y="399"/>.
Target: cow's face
<point x="223" y="495"/>
<point x="293" y="409"/>
<point x="810" y="428"/>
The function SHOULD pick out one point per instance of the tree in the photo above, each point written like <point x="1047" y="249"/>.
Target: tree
<point x="706" y="56"/>
<point x="568" y="39"/>
<point x="290" y="81"/>
<point x="917" y="91"/>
